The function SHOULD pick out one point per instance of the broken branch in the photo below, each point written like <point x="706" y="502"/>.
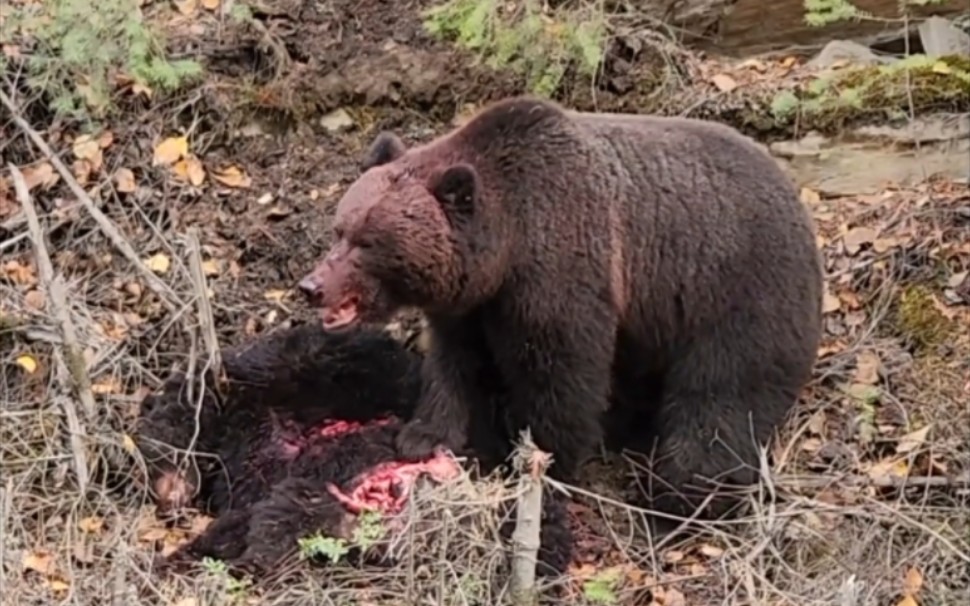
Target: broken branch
<point x="72" y="360"/>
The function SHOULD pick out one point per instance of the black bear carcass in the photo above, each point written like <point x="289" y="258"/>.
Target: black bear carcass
<point x="300" y="440"/>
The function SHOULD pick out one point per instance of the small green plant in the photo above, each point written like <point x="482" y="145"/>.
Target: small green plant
<point x="369" y="531"/>
<point x="219" y="570"/>
<point x="601" y="589"/>
<point x="525" y="39"/>
<point x="321" y="546"/>
<point x="78" y="49"/>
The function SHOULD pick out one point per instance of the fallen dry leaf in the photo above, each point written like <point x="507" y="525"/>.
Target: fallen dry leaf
<point x="105" y="139"/>
<point x="232" y="177"/>
<point x="912" y="440"/>
<point x="275" y="295"/>
<point x="881" y="245"/>
<point x="28" y="363"/>
<point x="957" y="279"/>
<point x="91" y="525"/>
<point x="907" y="601"/>
<point x="711" y="551"/>
<point x="673" y="556"/>
<point x="672" y="597"/>
<point x="889" y="468"/>
<point x="210" y="5"/>
<point x="87" y="148"/>
<point x="34" y="299"/>
<point x="158" y="263"/>
<point x="211" y="267"/>
<point x="809" y="196"/>
<point x="186" y="7"/>
<point x="107" y="386"/>
<point x="816" y="423"/>
<point x="855" y="238"/>
<point x="190" y="169"/>
<point x="170" y="151"/>
<point x="125" y="181"/>
<point x="811" y="444"/>
<point x="58" y="585"/>
<point x="724" y="82"/>
<point x="128" y="443"/>
<point x="187" y="602"/>
<point x="867" y="366"/>
<point x="38" y="561"/>
<point x="830" y="303"/>
<point x="39" y="174"/>
<point x="913" y="581"/>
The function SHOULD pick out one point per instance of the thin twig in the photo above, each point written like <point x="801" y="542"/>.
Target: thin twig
<point x="201" y="289"/>
<point x="6" y="510"/>
<point x="73" y="359"/>
<point x="107" y="227"/>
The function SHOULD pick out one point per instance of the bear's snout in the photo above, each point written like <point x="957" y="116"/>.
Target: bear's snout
<point x="310" y="287"/>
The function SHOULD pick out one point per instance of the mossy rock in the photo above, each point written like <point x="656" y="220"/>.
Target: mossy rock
<point x="919" y="321"/>
<point x="917" y="84"/>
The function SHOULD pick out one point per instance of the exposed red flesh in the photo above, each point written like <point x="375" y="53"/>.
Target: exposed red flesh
<point x="386" y="487"/>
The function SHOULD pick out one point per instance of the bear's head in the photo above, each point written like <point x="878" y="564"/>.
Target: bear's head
<point x="411" y="231"/>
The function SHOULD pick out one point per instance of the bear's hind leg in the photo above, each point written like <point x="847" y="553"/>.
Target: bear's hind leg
<point x="709" y="430"/>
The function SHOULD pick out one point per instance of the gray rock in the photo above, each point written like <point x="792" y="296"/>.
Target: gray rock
<point x="941" y="37"/>
<point x="337" y="121"/>
<point x="846" y="50"/>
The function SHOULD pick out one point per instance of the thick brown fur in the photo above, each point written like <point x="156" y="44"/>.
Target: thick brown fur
<point x="259" y="462"/>
<point x="650" y="280"/>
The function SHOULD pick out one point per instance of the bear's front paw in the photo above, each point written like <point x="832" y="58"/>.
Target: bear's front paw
<point x="417" y="441"/>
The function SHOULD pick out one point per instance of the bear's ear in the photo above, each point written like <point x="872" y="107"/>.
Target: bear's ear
<point x="386" y="148"/>
<point x="456" y="189"/>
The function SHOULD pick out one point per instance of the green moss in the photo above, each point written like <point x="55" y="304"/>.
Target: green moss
<point x="918" y="83"/>
<point x="539" y="45"/>
<point x="918" y="320"/>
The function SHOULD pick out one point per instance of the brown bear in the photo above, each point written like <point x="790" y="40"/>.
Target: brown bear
<point x="650" y="280"/>
<point x="299" y="440"/>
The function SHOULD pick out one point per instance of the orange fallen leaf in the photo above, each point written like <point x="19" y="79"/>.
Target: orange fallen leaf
<point x="28" y="363"/>
<point x="907" y="601"/>
<point x="39" y="174"/>
<point x="830" y="303"/>
<point x="38" y="561"/>
<point x="125" y="181"/>
<point x="87" y="148"/>
<point x="724" y="82"/>
<point x="170" y="151"/>
<point x="190" y="169"/>
<point x="91" y="525"/>
<point x="186" y="7"/>
<point x="232" y="177"/>
<point x="158" y="263"/>
<point x="210" y="5"/>
<point x="810" y="196"/>
<point x="913" y="581"/>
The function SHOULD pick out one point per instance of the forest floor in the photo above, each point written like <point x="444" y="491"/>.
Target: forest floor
<point x="865" y="494"/>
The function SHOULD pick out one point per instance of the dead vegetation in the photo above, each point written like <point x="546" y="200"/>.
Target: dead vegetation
<point x="865" y="494"/>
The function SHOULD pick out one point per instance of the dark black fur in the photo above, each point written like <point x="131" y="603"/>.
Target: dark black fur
<point x="654" y="281"/>
<point x="281" y="388"/>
